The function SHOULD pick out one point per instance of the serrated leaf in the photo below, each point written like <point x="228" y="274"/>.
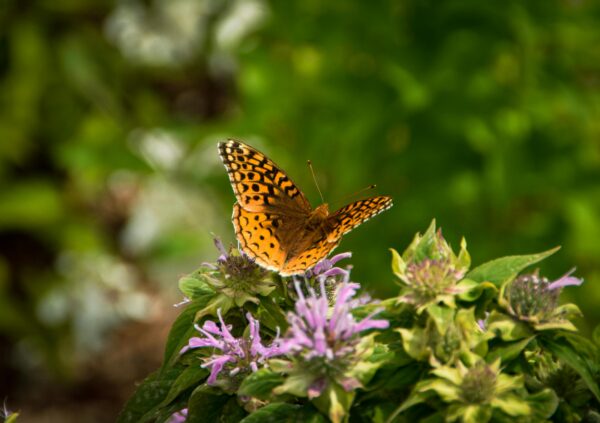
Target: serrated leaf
<point x="260" y="384"/>
<point x="506" y="268"/>
<point x="146" y="400"/>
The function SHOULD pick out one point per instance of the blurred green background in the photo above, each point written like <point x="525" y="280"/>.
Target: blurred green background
<point x="483" y="115"/>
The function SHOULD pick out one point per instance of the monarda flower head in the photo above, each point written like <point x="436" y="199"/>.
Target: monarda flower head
<point x="234" y="356"/>
<point x="234" y="278"/>
<point x="477" y="393"/>
<point x="429" y="270"/>
<point x="534" y="299"/>
<point x="326" y="344"/>
<point x="332" y="275"/>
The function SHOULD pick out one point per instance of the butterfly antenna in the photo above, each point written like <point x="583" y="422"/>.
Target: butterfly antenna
<point x="309" y="163"/>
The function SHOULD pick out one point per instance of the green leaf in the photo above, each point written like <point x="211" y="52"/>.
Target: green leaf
<point x="194" y="287"/>
<point x="507" y="327"/>
<point x="188" y="378"/>
<point x="206" y="404"/>
<point x="260" y="384"/>
<point x="471" y="290"/>
<point x="442" y="316"/>
<point x="232" y="412"/>
<point x="512" y="405"/>
<point x="271" y="315"/>
<point x="398" y="265"/>
<point x="164" y="414"/>
<point x="463" y="261"/>
<point x="567" y="354"/>
<point x="480" y="413"/>
<point x="396" y="378"/>
<point x="416" y="397"/>
<point x="182" y="330"/>
<point x="596" y="335"/>
<point x="507" y="351"/>
<point x="415" y="342"/>
<point x="336" y="402"/>
<point x="426" y="244"/>
<point x="281" y="412"/>
<point x="146" y="400"/>
<point x="506" y="268"/>
<point x="297" y="383"/>
<point x="543" y="403"/>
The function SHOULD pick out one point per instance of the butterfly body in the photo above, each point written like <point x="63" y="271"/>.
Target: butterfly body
<point x="274" y="222"/>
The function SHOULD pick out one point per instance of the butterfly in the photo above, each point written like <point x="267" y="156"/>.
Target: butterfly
<point x="274" y="222"/>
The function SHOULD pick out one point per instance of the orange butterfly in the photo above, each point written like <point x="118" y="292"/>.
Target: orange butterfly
<point x="274" y="222"/>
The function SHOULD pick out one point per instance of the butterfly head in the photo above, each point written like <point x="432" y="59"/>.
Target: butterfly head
<point x="320" y="213"/>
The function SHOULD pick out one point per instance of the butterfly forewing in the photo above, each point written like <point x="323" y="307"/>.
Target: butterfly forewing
<point x="256" y="232"/>
<point x="352" y="215"/>
<point x="258" y="183"/>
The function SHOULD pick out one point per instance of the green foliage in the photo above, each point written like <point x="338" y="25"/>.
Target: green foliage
<point x="484" y="116"/>
<point x="474" y="358"/>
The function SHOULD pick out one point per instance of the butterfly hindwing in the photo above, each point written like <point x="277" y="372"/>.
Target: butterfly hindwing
<point x="256" y="233"/>
<point x="258" y="183"/>
<point x="352" y="215"/>
<point x="309" y="257"/>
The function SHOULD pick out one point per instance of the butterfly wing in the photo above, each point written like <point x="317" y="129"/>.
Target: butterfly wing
<point x="258" y="237"/>
<point x="309" y="257"/>
<point x="352" y="215"/>
<point x="259" y="184"/>
<point x="336" y="225"/>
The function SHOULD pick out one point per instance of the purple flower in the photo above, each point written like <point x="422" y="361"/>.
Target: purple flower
<point x="236" y="355"/>
<point x="566" y="280"/>
<point x="326" y="267"/>
<point x="235" y="277"/>
<point x="325" y="339"/>
<point x="179" y="416"/>
<point x="482" y="323"/>
<point x="219" y="244"/>
<point x="532" y="297"/>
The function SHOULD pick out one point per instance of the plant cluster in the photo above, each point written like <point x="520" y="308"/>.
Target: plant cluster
<point x="490" y="343"/>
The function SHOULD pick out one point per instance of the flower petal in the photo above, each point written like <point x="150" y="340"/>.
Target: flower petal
<point x="566" y="280"/>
